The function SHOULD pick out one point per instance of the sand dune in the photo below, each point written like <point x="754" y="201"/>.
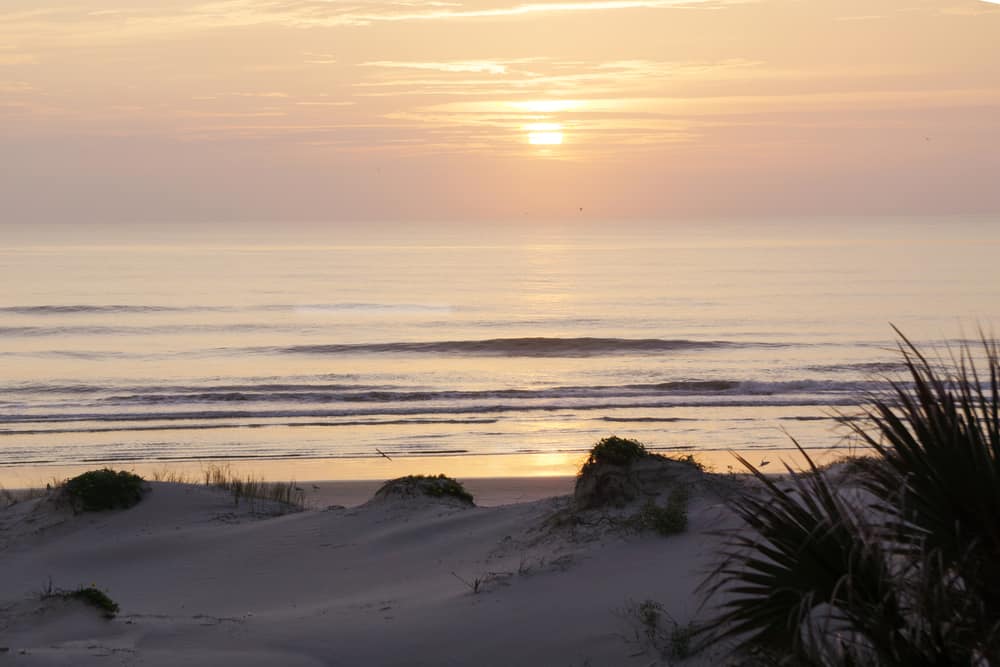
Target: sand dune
<point x="201" y="581"/>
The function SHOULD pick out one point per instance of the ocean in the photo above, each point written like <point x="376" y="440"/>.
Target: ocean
<point x="335" y="341"/>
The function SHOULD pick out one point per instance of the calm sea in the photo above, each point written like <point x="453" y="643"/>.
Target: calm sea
<point x="333" y="341"/>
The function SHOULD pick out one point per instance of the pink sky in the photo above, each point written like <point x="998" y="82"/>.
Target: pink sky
<point x="189" y="110"/>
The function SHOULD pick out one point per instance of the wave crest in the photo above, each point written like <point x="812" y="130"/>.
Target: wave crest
<point x="516" y="347"/>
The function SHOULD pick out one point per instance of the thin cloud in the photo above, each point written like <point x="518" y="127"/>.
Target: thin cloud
<point x="529" y="8"/>
<point x="319" y="58"/>
<point x="458" y="66"/>
<point x="264" y="94"/>
<point x="746" y="104"/>
<point x="68" y="26"/>
<point x="552" y="77"/>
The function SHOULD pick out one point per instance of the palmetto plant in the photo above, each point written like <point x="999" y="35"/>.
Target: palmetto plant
<point x="902" y="568"/>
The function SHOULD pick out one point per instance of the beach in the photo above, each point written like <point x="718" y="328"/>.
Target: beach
<point x="499" y="333"/>
<point x="202" y="580"/>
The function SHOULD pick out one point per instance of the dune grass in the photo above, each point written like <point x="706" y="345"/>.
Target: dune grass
<point x="903" y="569"/>
<point x="657" y="632"/>
<point x="252" y="490"/>
<point x="168" y="476"/>
<point x="90" y="595"/>
<point x="9" y="497"/>
<point x="668" y="519"/>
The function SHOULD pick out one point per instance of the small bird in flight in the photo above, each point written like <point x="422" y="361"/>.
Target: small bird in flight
<point x="382" y="453"/>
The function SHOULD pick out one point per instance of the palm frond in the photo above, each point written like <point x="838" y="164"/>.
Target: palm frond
<point x="940" y="442"/>
<point x="809" y="556"/>
<point x="907" y="574"/>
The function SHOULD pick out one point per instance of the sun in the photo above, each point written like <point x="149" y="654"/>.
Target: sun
<point x="544" y="134"/>
<point x="545" y="138"/>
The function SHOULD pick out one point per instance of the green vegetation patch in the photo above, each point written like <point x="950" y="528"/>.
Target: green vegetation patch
<point x="669" y="519"/>
<point x="104" y="489"/>
<point x="91" y="595"/>
<point x="95" y="598"/>
<point x="904" y="574"/>
<point x="615" y="451"/>
<point x="439" y="486"/>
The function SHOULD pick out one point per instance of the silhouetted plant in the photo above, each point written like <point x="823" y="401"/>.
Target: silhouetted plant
<point x="689" y="459"/>
<point x="445" y="486"/>
<point x="89" y="594"/>
<point x="902" y="571"/>
<point x="438" y="486"/>
<point x="103" y="489"/>
<point x="252" y="489"/>
<point x="615" y="451"/>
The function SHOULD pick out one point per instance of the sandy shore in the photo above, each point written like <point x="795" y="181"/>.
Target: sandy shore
<point x="375" y="470"/>
<point x="201" y="581"/>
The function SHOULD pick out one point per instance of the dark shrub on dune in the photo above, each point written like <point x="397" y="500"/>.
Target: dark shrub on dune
<point x="104" y="489"/>
<point x="95" y="598"/>
<point x="904" y="569"/>
<point x="614" y="451"/>
<point x="90" y="595"/>
<point x="619" y="471"/>
<point x="439" y="486"/>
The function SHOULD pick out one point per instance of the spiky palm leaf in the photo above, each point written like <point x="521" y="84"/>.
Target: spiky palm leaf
<point x="910" y="576"/>
<point x="810" y="557"/>
<point x="940" y="445"/>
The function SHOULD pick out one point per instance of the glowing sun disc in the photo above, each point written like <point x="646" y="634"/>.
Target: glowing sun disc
<point x="545" y="138"/>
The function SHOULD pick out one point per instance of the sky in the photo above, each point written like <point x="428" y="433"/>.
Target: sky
<point x="118" y="111"/>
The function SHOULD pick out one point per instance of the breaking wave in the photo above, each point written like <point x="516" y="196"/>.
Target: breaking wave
<point x="519" y="347"/>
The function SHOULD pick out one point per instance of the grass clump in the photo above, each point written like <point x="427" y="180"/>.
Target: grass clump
<point x="903" y="574"/>
<point x="659" y="631"/>
<point x="438" y="486"/>
<point x="688" y="459"/>
<point x="669" y="519"/>
<point x="170" y="476"/>
<point x="252" y="489"/>
<point x="9" y="498"/>
<point x="91" y="595"/>
<point x="95" y="598"/>
<point x="615" y="451"/>
<point x="104" y="489"/>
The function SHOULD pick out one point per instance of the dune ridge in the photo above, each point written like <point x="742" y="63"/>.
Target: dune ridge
<point x="203" y="581"/>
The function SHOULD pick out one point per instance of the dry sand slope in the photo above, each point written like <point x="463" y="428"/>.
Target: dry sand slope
<point x="202" y="582"/>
